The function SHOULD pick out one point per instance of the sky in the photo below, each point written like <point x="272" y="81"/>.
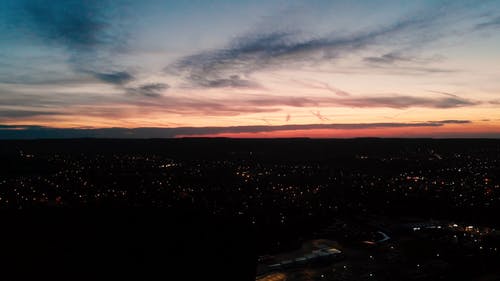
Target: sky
<point x="321" y="69"/>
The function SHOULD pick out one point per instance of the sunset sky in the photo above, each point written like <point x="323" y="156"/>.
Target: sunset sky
<point x="290" y="68"/>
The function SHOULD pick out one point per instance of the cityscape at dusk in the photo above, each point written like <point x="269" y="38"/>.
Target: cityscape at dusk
<point x="252" y="209"/>
<point x="249" y="68"/>
<point x="252" y="140"/>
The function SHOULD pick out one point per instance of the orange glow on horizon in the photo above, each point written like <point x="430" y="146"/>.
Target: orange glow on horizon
<point x="407" y="132"/>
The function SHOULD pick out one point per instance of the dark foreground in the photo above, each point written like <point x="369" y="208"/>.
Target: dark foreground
<point x="222" y="209"/>
<point x="123" y="244"/>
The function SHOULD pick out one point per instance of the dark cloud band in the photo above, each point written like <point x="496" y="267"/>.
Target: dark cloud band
<point x="33" y="132"/>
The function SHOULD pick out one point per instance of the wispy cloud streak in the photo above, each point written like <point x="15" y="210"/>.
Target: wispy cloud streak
<point x="253" y="52"/>
<point x="152" y="90"/>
